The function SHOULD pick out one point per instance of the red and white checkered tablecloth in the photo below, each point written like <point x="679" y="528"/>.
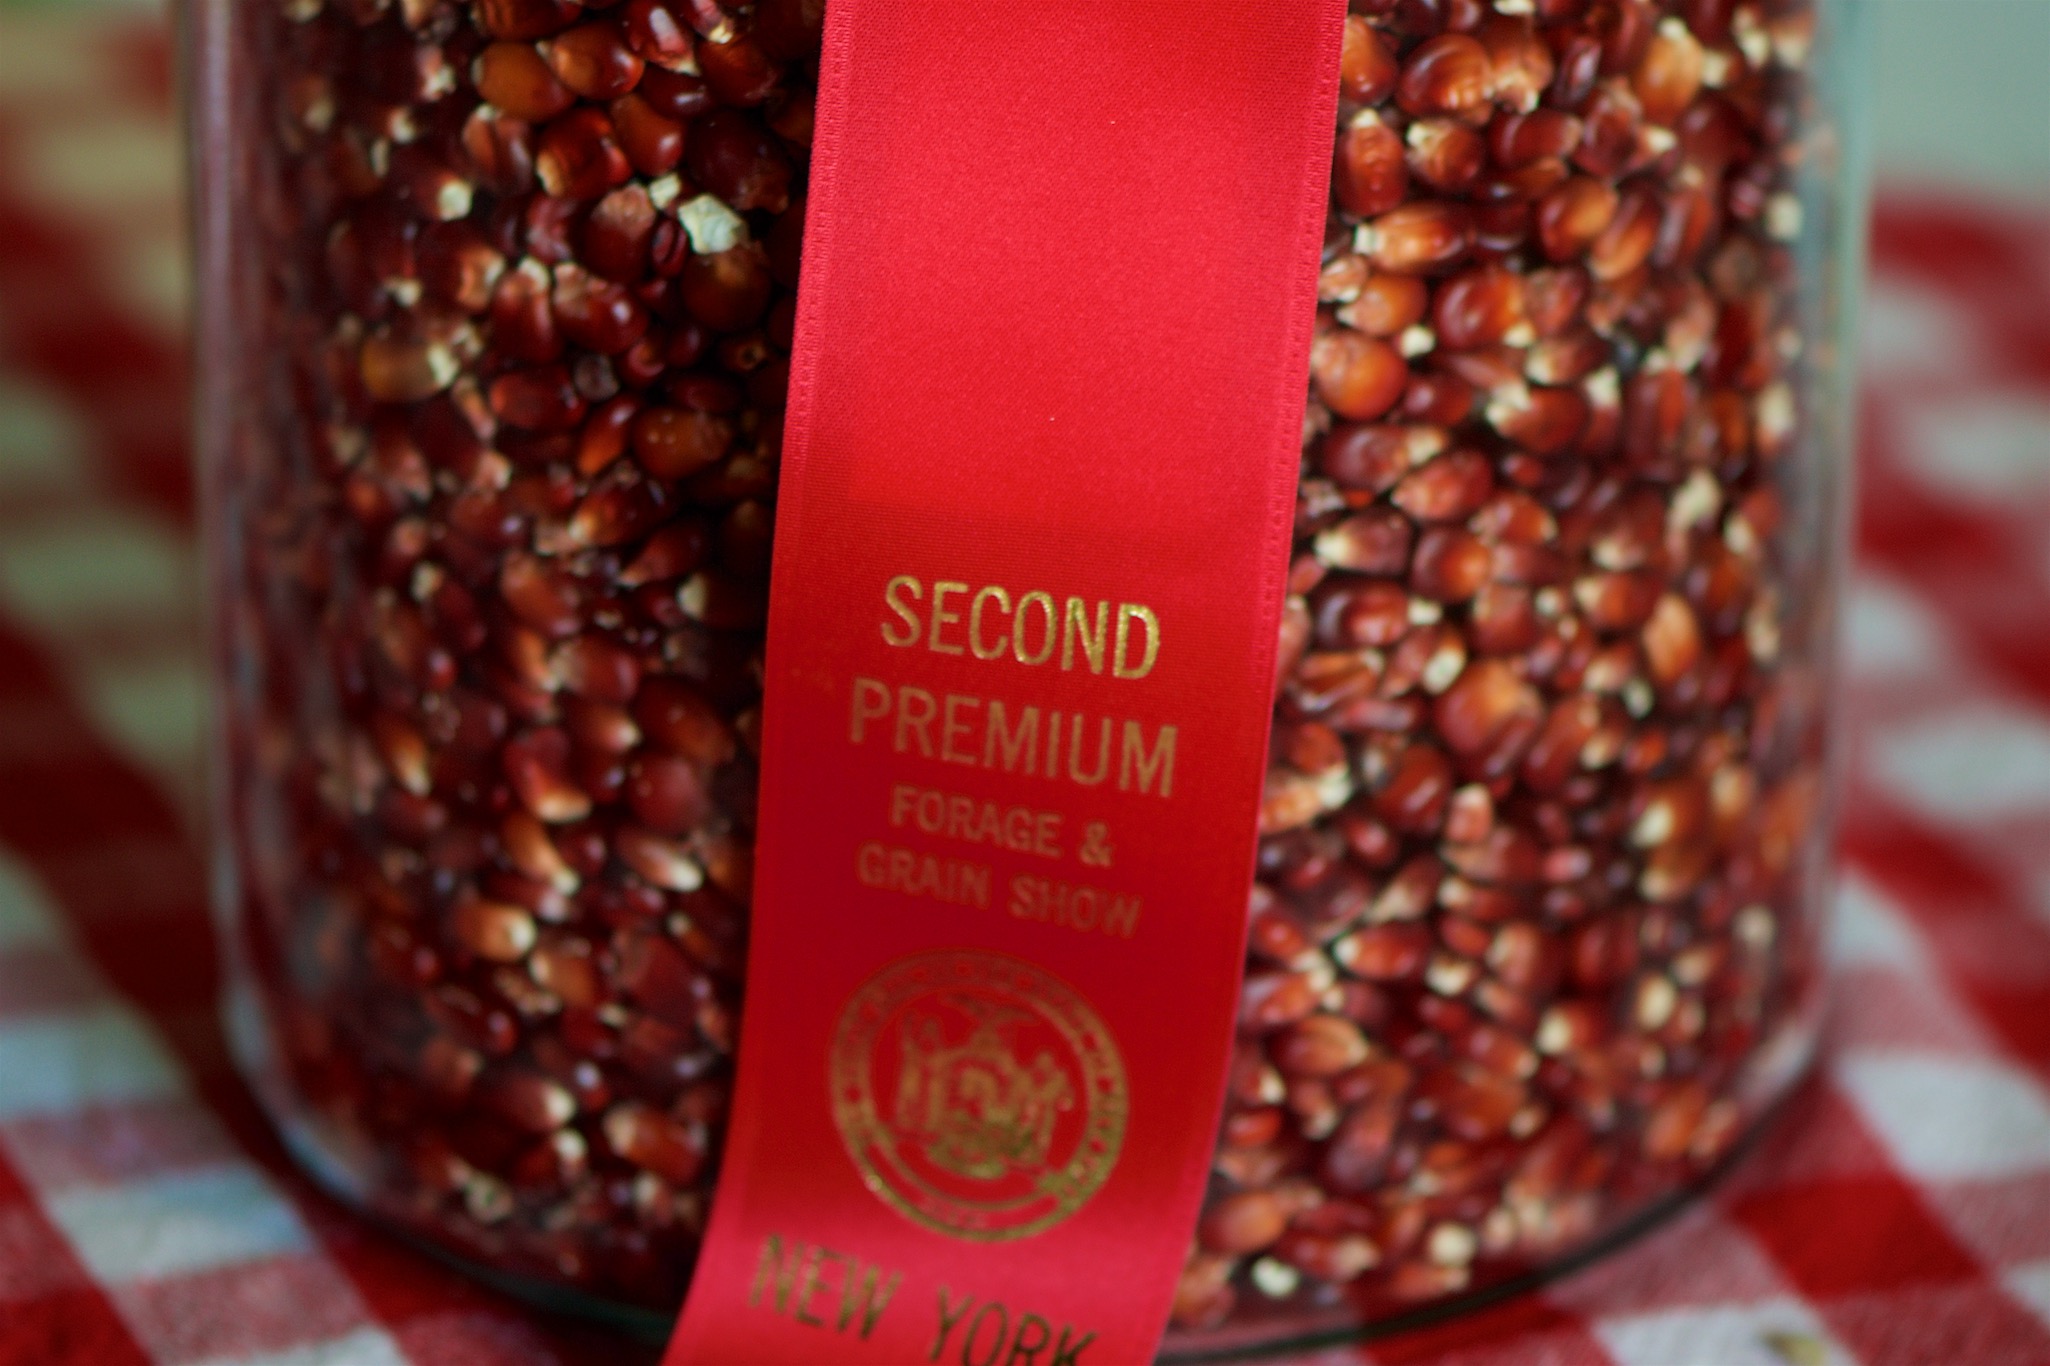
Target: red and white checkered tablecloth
<point x="1898" y="1213"/>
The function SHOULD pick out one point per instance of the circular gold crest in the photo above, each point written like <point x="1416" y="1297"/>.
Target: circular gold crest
<point x="979" y="1095"/>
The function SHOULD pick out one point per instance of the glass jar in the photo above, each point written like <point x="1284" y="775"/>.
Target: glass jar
<point x="496" y="306"/>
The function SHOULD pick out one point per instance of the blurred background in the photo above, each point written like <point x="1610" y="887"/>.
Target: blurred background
<point x="1944" y="925"/>
<point x="1959" y="96"/>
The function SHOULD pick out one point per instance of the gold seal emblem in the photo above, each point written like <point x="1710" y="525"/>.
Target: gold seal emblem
<point x="979" y="1095"/>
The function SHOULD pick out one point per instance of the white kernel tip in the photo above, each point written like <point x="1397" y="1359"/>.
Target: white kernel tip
<point x="712" y="226"/>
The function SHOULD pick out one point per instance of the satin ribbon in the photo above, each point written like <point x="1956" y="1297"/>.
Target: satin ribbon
<point x="1038" y="477"/>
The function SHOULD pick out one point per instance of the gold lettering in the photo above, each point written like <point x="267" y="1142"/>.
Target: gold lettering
<point x="1065" y="1355"/>
<point x="799" y="1275"/>
<point x="813" y="1264"/>
<point x="1003" y="1322"/>
<point x="871" y="701"/>
<point x="1102" y="754"/>
<point x="952" y="726"/>
<point x="1082" y="909"/>
<point x="894" y="593"/>
<point x="1024" y="1353"/>
<point x="1129" y="612"/>
<point x="1044" y="601"/>
<point x="910" y="873"/>
<point x="987" y="732"/>
<point x="872" y="1304"/>
<point x="971" y="820"/>
<point x="983" y="597"/>
<point x="1077" y="625"/>
<point x="995" y="623"/>
<point x="778" y="1265"/>
<point x="941" y="617"/>
<point x="1018" y="827"/>
<point x="947" y="1322"/>
<point x="915" y="711"/>
<point x="1014" y="744"/>
<point x="1135" y="761"/>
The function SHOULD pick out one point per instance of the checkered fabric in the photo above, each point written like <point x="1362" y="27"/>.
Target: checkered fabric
<point x="1898" y="1213"/>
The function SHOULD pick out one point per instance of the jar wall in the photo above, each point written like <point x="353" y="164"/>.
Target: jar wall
<point x="496" y="308"/>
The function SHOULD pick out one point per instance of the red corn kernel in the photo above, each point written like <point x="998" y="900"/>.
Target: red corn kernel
<point x="537" y="766"/>
<point x="1385" y="953"/>
<point x="738" y="71"/>
<point x="1450" y="488"/>
<point x="615" y="238"/>
<point x="677" y="95"/>
<point x="596" y="314"/>
<point x="525" y="20"/>
<point x="655" y="33"/>
<point x="1357" y="376"/>
<point x="1419" y="238"/>
<point x="1374" y="542"/>
<point x="1445" y="155"/>
<point x="728" y="290"/>
<point x="517" y="79"/>
<point x="493" y="930"/>
<point x="1366" y="70"/>
<point x="789" y="29"/>
<point x="579" y="156"/>
<point x="542" y="399"/>
<point x="1571" y="217"/>
<point x="1477" y="308"/>
<point x="1387" y="305"/>
<point x="1451" y="565"/>
<point x="1243" y="1223"/>
<point x="674" y="443"/>
<point x="1517" y="140"/>
<point x="594" y="61"/>
<point x="652" y="141"/>
<point x="1371" y="175"/>
<point x="1668" y="78"/>
<point x="1623" y="245"/>
<point x="1449" y="74"/>
<point x="666" y="793"/>
<point x="1520" y="63"/>
<point x="406" y="370"/>
<point x="1375" y="458"/>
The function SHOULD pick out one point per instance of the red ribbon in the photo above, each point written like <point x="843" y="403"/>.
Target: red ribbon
<point x="1038" y="477"/>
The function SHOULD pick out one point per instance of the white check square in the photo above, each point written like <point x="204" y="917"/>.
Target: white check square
<point x="178" y="1224"/>
<point x="1946" y="1117"/>
<point x="61" y="1062"/>
<point x="25" y="914"/>
<point x="2031" y="1285"/>
<point x="1772" y="1332"/>
<point x="364" y="1347"/>
<point x="1868" y="929"/>
<point x="1980" y="761"/>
